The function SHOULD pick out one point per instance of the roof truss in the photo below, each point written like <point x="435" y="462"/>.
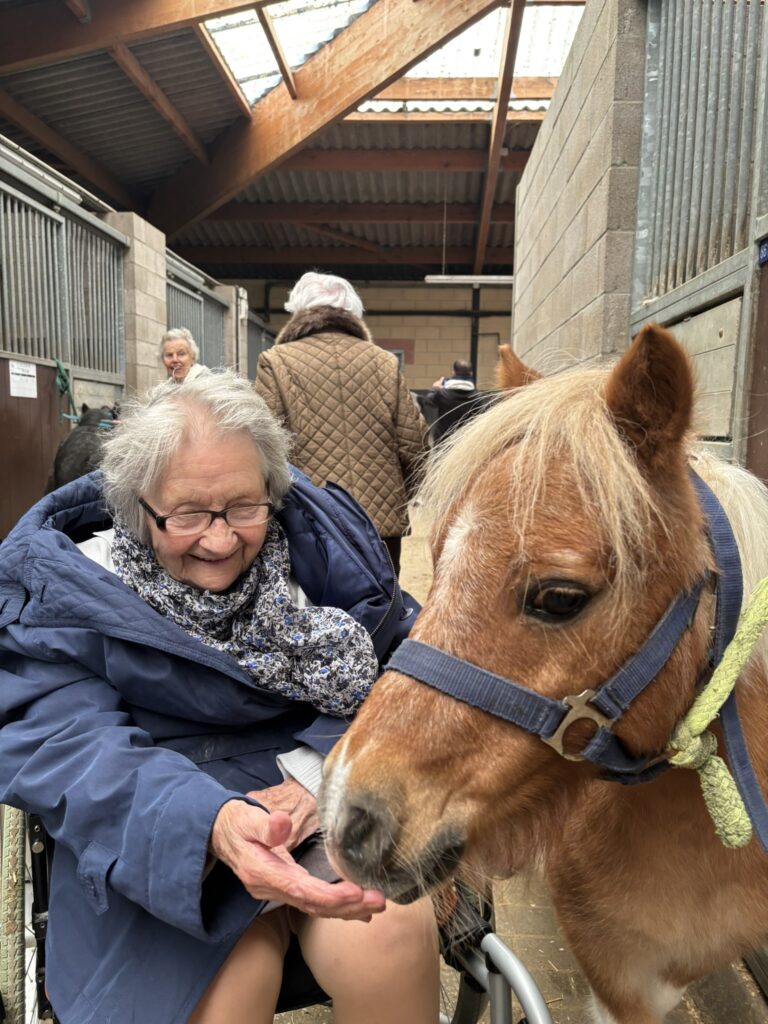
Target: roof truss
<point x="359" y="213"/>
<point x="277" y="51"/>
<point x="525" y="88"/>
<point x="43" y="33"/>
<point x="336" y="254"/>
<point x="379" y="160"/>
<point x="152" y="92"/>
<point x="498" y="127"/>
<point x="368" y="55"/>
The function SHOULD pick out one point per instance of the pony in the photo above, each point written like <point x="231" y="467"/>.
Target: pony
<point x="565" y="522"/>
<point x="80" y="451"/>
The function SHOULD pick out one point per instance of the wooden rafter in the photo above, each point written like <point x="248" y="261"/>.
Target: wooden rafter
<point x="81" y="9"/>
<point x="152" y="92"/>
<point x="318" y="255"/>
<point x="498" y="127"/>
<point x="373" y="51"/>
<point x="277" y="50"/>
<point x="379" y="251"/>
<point x="43" y="33"/>
<point x="526" y="88"/>
<point x="441" y="117"/>
<point x="74" y="158"/>
<point x="223" y="69"/>
<point x="359" y="213"/>
<point x="448" y="160"/>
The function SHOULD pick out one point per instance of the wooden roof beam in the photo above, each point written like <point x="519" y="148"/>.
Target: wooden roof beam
<point x="81" y="10"/>
<point x="498" y="128"/>
<point x="152" y="92"/>
<point x="379" y="251"/>
<point x="324" y="255"/>
<point x="373" y="51"/>
<point x="223" y="69"/>
<point x="524" y="88"/>
<point x="457" y="161"/>
<point x="277" y="50"/>
<point x="75" y="159"/>
<point x="358" y="213"/>
<point x="44" y="33"/>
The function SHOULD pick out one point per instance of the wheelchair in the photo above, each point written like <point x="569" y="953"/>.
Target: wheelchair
<point x="487" y="974"/>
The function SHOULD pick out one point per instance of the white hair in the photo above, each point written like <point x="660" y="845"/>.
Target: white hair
<point x="180" y="334"/>
<point x="313" y="289"/>
<point x="214" y="404"/>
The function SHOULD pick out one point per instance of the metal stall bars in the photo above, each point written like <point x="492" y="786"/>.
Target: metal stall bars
<point x="699" y="205"/>
<point x="61" y="281"/>
<point x="191" y="303"/>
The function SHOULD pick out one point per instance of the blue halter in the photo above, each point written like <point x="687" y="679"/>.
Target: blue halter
<point x="550" y="719"/>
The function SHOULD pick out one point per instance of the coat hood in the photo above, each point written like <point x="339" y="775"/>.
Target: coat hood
<point x="322" y="320"/>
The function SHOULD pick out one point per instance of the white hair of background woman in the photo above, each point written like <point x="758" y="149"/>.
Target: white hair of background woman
<point x="313" y="290"/>
<point x="180" y="334"/>
<point x="156" y="426"/>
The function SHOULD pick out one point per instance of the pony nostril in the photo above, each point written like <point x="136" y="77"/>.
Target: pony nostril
<point x="367" y="837"/>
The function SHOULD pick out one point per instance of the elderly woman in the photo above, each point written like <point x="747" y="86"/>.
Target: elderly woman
<point x="346" y="403"/>
<point x="181" y="641"/>
<point x="179" y="354"/>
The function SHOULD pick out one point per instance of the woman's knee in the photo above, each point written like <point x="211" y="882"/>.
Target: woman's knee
<point x="402" y="937"/>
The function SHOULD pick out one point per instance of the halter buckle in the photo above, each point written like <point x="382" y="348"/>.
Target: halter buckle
<point x="579" y="708"/>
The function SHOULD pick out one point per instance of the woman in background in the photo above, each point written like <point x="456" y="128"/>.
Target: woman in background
<point x="346" y="403"/>
<point x="179" y="354"/>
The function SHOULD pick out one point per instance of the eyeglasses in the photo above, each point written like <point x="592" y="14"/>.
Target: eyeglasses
<point x="236" y="517"/>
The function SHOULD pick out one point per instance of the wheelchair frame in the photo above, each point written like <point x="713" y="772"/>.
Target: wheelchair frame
<point x="488" y="970"/>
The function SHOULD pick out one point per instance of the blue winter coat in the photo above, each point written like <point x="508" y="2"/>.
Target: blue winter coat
<point x="126" y="735"/>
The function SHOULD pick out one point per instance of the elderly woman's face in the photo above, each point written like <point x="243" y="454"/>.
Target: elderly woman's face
<point x="177" y="359"/>
<point x="216" y="473"/>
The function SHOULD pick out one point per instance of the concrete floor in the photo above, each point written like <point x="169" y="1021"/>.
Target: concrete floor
<point x="526" y="922"/>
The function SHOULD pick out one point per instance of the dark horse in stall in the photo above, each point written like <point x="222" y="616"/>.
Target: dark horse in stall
<point x="80" y="451"/>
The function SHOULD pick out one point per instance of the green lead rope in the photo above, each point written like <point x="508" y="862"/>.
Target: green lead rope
<point x="693" y="746"/>
<point x="64" y="385"/>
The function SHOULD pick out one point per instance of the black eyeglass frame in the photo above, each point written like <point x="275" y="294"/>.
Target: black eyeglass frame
<point x="162" y="521"/>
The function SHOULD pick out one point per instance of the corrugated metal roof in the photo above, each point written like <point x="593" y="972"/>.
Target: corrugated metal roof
<point x="446" y="106"/>
<point x="301" y="26"/>
<point x="546" y="36"/>
<point x="92" y="104"/>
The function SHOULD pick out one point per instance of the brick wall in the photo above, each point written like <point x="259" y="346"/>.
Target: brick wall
<point x="577" y="199"/>
<point x="411" y="317"/>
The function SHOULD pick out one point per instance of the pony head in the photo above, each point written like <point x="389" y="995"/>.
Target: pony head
<point x="564" y="524"/>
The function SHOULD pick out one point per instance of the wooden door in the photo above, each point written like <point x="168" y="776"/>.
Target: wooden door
<point x="30" y="431"/>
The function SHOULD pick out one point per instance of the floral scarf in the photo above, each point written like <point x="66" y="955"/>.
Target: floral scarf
<point x="319" y="655"/>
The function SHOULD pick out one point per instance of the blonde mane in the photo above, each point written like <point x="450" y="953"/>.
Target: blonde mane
<point x="565" y="419"/>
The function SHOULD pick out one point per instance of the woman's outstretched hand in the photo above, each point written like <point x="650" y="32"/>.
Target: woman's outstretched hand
<point x="253" y="844"/>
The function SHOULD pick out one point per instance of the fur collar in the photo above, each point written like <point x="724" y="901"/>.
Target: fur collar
<point x="322" y="320"/>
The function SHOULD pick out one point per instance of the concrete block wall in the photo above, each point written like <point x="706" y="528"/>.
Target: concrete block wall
<point x="412" y="315"/>
<point x="577" y="199"/>
<point x="144" y="301"/>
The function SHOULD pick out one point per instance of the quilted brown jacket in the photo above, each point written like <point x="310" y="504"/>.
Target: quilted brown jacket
<point x="349" y="409"/>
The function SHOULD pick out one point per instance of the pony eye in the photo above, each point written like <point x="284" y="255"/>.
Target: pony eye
<point x="553" y="601"/>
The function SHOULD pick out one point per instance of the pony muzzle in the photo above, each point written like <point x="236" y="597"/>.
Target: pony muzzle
<point x="364" y="844"/>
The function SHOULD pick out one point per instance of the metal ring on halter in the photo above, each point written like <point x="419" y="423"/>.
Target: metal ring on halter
<point x="580" y="709"/>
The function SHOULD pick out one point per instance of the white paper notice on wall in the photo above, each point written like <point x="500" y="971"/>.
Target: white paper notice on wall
<point x="23" y="379"/>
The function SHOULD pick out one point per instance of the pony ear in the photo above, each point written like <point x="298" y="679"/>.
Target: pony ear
<point x="83" y="408"/>
<point x="650" y="394"/>
<point x="512" y="372"/>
